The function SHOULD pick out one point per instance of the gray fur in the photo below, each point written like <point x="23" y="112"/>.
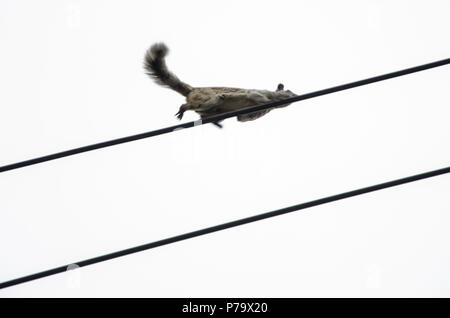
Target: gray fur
<point x="155" y="65"/>
<point x="208" y="101"/>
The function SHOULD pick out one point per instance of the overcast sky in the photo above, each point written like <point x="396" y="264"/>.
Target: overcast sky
<point x="71" y="74"/>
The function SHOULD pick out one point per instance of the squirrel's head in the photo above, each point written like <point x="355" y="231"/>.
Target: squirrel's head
<point x="283" y="92"/>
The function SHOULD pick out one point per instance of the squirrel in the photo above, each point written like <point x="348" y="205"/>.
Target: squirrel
<point x="208" y="101"/>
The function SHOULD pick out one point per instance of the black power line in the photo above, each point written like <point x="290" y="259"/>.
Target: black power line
<point x="224" y="226"/>
<point x="219" y="117"/>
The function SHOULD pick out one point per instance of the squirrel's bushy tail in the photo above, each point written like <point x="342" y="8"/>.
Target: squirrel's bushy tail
<point x="155" y="65"/>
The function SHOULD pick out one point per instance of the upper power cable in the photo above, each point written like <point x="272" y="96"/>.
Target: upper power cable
<point x="215" y="118"/>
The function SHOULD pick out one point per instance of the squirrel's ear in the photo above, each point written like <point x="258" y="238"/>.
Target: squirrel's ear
<point x="280" y="87"/>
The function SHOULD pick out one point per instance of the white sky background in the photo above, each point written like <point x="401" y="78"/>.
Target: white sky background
<point x="71" y="74"/>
